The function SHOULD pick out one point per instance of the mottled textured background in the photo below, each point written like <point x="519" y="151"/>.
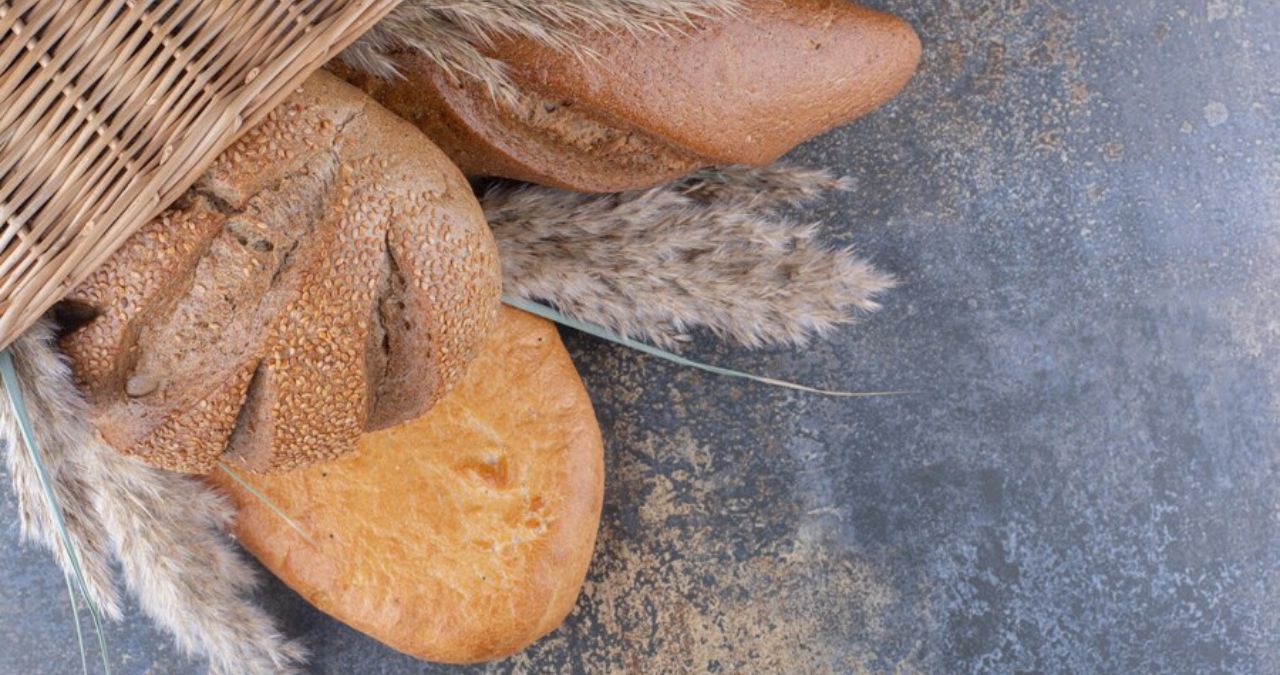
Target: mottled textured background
<point x="1082" y="199"/>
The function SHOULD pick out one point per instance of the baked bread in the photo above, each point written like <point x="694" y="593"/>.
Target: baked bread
<point x="330" y="273"/>
<point x="642" y="109"/>
<point x="462" y="536"/>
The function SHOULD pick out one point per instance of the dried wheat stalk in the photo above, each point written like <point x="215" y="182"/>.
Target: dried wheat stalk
<point x="41" y="379"/>
<point x="166" y="530"/>
<point x="709" y="251"/>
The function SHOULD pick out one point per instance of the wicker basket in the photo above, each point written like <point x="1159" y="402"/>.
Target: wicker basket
<point x="112" y="108"/>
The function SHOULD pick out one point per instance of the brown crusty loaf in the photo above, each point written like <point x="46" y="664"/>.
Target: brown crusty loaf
<point x="462" y="536"/>
<point x="641" y="109"/>
<point x="330" y="273"/>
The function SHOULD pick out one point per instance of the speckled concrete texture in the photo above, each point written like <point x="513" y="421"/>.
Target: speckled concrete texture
<point x="1081" y="198"/>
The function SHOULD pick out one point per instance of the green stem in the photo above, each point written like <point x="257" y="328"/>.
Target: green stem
<point x="11" y="385"/>
<point x="606" y="334"/>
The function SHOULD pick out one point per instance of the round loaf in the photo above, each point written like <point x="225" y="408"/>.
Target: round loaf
<point x="643" y="108"/>
<point x="459" y="537"/>
<point x="330" y="273"/>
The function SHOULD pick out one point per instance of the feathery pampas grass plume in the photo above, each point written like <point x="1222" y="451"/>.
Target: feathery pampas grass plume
<point x="454" y="35"/>
<point x="165" y="529"/>
<point x="39" y="373"/>
<point x="710" y="251"/>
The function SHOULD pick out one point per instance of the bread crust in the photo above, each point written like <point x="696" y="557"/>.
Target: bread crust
<point x="535" y="141"/>
<point x="330" y="273"/>
<point x="460" y="537"/>
<point x="742" y="89"/>
<point x="642" y="109"/>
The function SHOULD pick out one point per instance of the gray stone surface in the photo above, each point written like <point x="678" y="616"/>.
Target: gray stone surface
<point x="1082" y="199"/>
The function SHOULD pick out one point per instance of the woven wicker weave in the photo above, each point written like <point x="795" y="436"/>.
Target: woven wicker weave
<point x="110" y="109"/>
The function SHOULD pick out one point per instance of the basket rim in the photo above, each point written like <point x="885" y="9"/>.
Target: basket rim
<point x="111" y="136"/>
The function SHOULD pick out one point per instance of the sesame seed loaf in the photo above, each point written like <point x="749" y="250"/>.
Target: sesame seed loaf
<point x="640" y="109"/>
<point x="330" y="273"/>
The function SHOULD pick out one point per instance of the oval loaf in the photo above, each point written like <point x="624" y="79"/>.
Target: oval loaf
<point x="633" y="110"/>
<point x="461" y="536"/>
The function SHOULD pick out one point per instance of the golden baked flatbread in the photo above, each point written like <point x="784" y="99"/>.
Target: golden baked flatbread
<point x="459" y="537"/>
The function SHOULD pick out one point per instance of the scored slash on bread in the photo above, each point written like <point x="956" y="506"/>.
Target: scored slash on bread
<point x="331" y="273"/>
<point x="537" y="140"/>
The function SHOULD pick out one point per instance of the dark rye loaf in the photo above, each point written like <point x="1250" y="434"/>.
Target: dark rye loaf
<point x="641" y="109"/>
<point x="331" y="273"/>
